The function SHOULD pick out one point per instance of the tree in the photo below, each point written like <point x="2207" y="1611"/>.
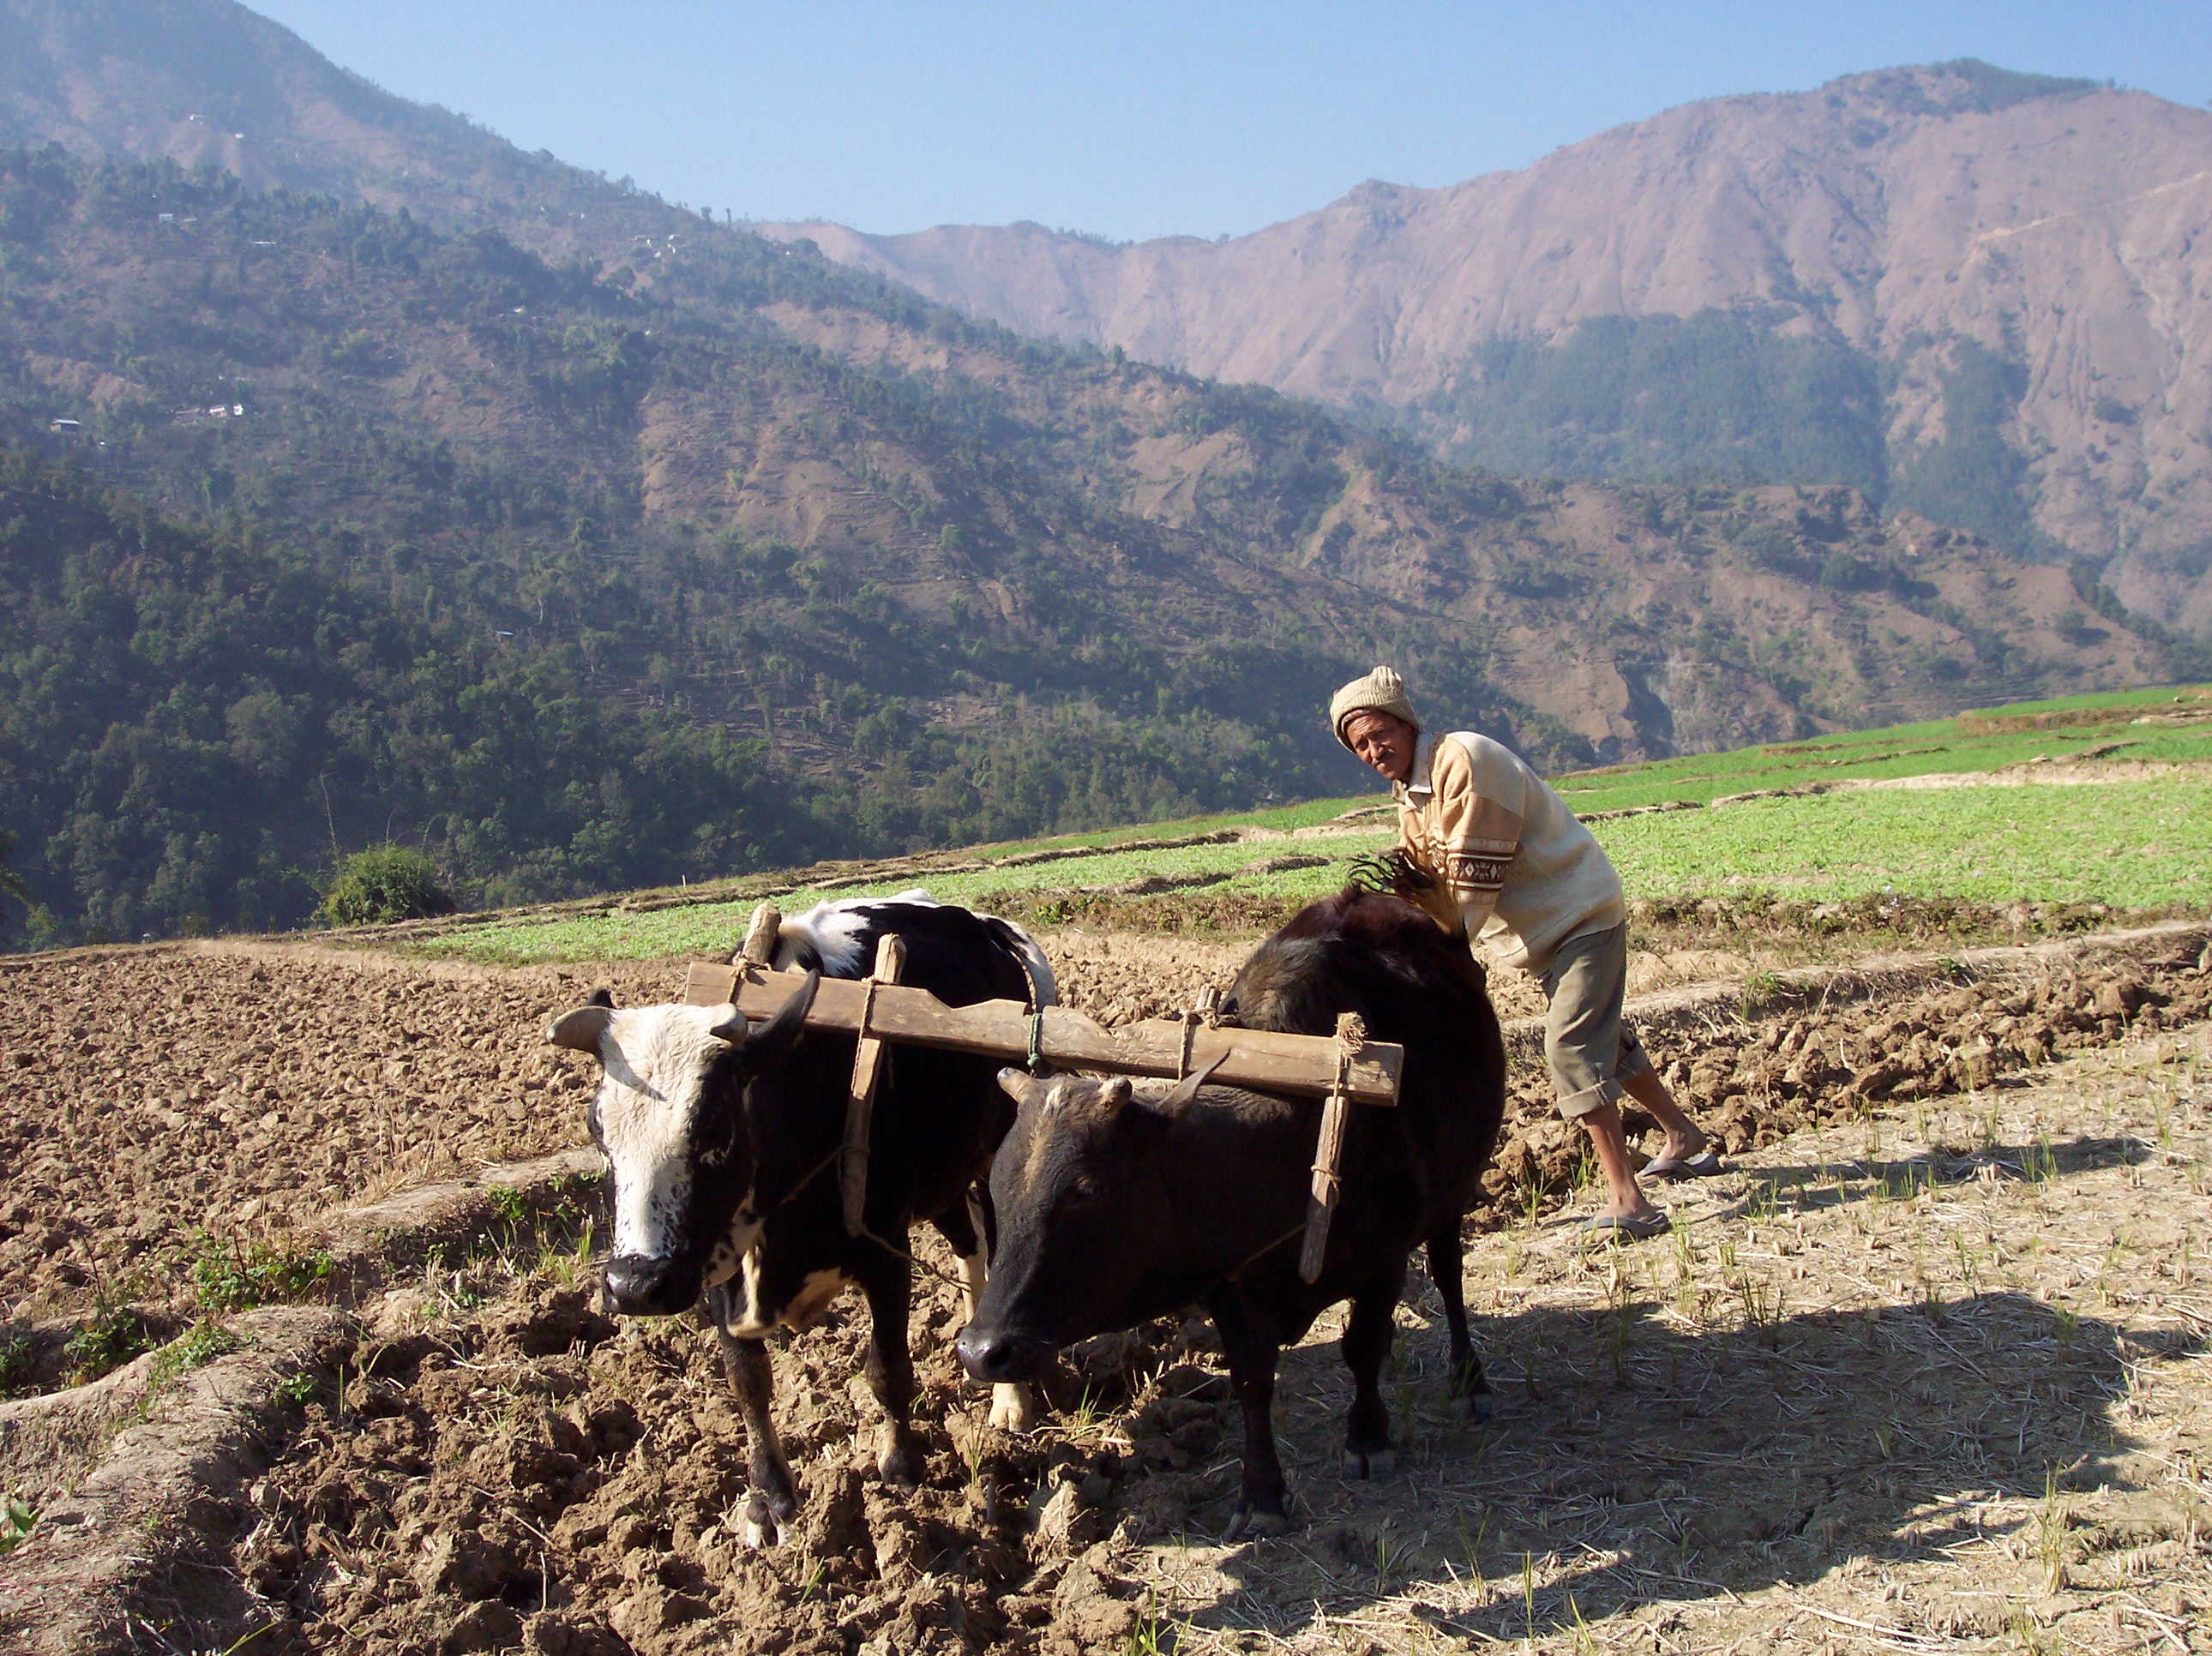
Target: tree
<point x="11" y="883"/>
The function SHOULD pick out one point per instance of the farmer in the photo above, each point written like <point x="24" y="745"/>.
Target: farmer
<point x="1510" y="866"/>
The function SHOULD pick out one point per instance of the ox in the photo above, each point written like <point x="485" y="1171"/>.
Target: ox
<point x="721" y="1144"/>
<point x="1113" y="1208"/>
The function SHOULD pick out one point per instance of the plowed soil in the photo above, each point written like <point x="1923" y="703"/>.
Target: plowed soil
<point x="1925" y="1372"/>
<point x="152" y="1094"/>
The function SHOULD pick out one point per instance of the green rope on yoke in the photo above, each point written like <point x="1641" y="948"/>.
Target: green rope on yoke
<point x="1036" y="1041"/>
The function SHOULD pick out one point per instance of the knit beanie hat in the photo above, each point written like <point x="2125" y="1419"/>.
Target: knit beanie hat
<point x="1381" y="692"/>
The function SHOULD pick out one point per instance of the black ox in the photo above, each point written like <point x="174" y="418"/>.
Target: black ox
<point x="1113" y="1209"/>
<point x="721" y="1144"/>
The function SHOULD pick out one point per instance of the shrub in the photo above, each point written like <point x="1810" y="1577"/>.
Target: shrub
<point x="236" y="1275"/>
<point x="107" y="1342"/>
<point x="19" y="1359"/>
<point x="195" y="1348"/>
<point x="385" y="883"/>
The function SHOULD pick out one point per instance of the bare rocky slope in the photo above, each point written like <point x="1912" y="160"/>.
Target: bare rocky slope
<point x="1910" y="215"/>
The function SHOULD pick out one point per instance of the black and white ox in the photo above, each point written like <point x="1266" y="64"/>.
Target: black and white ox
<point x="1114" y="1208"/>
<point x="721" y="1143"/>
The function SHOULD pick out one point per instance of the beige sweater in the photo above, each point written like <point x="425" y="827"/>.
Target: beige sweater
<point x="1508" y="857"/>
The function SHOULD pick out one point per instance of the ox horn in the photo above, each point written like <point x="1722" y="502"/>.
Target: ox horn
<point x="580" y="1030"/>
<point x="775" y="1037"/>
<point x="1187" y="1089"/>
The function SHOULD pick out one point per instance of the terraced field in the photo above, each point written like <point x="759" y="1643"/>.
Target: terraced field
<point x="2098" y="802"/>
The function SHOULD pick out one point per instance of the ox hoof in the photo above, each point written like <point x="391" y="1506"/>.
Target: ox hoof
<point x="1246" y="1525"/>
<point x="1011" y="1409"/>
<point x="759" y="1530"/>
<point x="1370" y="1463"/>
<point x="899" y="1464"/>
<point x="1480" y="1408"/>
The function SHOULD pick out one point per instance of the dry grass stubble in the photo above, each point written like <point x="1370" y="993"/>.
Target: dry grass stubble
<point x="1937" y="1378"/>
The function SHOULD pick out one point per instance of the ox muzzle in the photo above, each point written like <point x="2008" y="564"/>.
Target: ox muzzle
<point x="999" y="1355"/>
<point x="642" y="1286"/>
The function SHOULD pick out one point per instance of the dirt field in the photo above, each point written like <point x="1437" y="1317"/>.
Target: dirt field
<point x="1927" y="1372"/>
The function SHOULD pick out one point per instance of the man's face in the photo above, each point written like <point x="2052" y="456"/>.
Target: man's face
<point x="1383" y="741"/>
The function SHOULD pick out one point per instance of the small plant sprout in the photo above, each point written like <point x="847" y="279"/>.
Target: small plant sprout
<point x="2051" y="1533"/>
<point x="1470" y="1546"/>
<point x="1153" y="1634"/>
<point x="298" y="1388"/>
<point x="1585" y="1641"/>
<point x="1528" y="1595"/>
<point x="1932" y="1302"/>
<point x="17" y="1519"/>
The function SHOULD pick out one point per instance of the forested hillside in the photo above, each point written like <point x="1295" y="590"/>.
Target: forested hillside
<point x="193" y="720"/>
<point x="757" y="558"/>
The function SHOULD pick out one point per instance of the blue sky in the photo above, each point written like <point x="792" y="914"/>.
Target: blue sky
<point x="1144" y="120"/>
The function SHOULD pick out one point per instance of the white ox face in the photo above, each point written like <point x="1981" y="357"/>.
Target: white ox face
<point x="669" y="1118"/>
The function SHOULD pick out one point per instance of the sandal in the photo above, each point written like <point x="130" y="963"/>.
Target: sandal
<point x="1628" y="1226"/>
<point x="1706" y="1164"/>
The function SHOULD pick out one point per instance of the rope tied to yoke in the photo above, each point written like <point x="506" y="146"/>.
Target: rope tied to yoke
<point x="1208" y="1012"/>
<point x="1351" y="1040"/>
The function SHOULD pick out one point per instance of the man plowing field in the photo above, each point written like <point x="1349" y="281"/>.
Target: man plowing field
<point x="1497" y="858"/>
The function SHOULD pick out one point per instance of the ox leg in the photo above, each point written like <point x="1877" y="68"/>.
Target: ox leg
<point x="1263" y="1498"/>
<point x="1466" y="1383"/>
<point x="1368" y="1452"/>
<point x="772" y="1503"/>
<point x="960" y="1228"/>
<point x="1013" y="1406"/>
<point x="891" y="1369"/>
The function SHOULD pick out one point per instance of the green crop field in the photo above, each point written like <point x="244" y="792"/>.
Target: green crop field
<point x="2136" y="838"/>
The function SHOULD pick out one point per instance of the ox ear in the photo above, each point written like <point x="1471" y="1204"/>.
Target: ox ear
<point x="601" y="996"/>
<point x="580" y="1030"/>
<point x="1187" y="1089"/>
<point x="1115" y="1092"/>
<point x="768" y="1046"/>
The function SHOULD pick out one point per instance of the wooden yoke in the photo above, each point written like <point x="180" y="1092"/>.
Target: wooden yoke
<point x="1328" y="1152"/>
<point x="860" y="1100"/>
<point x="1305" y="1066"/>
<point x="760" y="937"/>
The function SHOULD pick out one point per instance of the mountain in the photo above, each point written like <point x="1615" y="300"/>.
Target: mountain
<point x="330" y="521"/>
<point x="209" y="83"/>
<point x="1980" y="294"/>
